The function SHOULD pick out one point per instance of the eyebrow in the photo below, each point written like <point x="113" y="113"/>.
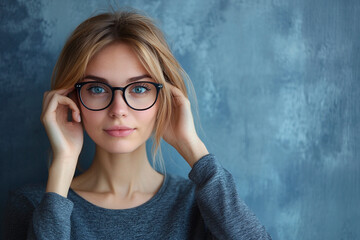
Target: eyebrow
<point x="132" y="79"/>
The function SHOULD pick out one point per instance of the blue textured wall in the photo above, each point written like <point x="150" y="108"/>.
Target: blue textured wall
<point x="278" y="90"/>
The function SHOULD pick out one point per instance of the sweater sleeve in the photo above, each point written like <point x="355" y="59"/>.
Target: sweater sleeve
<point x="224" y="213"/>
<point x="50" y="219"/>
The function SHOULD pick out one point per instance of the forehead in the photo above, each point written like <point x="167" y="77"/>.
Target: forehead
<point x="116" y="62"/>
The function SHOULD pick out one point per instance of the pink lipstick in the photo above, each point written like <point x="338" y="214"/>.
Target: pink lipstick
<point x="119" y="131"/>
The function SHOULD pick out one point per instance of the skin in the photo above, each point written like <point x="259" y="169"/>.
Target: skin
<point x="120" y="175"/>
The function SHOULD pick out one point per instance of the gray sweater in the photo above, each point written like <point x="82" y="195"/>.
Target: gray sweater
<point x="205" y="207"/>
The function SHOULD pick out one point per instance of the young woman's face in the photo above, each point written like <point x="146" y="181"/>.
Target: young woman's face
<point x="118" y="128"/>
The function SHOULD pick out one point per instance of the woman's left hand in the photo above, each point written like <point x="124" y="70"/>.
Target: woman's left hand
<point x="181" y="133"/>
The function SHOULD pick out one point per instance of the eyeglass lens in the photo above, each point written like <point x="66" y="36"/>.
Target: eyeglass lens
<point x="138" y="95"/>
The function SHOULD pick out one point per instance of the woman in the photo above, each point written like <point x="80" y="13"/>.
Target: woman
<point x="120" y="82"/>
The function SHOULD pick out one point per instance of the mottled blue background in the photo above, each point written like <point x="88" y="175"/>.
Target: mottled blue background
<point x="278" y="91"/>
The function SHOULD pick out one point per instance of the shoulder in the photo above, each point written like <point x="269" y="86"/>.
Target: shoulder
<point x="179" y="183"/>
<point x="32" y="193"/>
<point x="179" y="187"/>
<point x="20" y="204"/>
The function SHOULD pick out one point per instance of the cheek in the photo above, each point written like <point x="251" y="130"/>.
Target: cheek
<point x="93" y="120"/>
<point x="148" y="117"/>
<point x="90" y="119"/>
<point x="154" y="112"/>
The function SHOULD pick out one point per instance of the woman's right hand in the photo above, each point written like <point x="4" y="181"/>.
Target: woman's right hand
<point x="66" y="137"/>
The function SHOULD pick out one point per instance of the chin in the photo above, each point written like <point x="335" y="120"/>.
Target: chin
<point x="120" y="148"/>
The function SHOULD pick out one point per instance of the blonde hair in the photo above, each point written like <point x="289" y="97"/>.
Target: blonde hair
<point x="149" y="44"/>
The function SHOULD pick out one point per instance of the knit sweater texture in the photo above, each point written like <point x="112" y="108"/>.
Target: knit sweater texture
<point x="205" y="206"/>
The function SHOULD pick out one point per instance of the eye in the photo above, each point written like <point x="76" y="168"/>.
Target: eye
<point x="96" y="89"/>
<point x="140" y="88"/>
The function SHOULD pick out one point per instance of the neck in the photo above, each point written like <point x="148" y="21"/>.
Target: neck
<point x="120" y="174"/>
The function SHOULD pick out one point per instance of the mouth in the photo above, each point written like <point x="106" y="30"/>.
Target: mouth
<point x="119" y="131"/>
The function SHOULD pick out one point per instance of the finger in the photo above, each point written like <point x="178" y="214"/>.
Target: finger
<point x="76" y="115"/>
<point x="45" y="103"/>
<point x="177" y="94"/>
<point x="48" y="95"/>
<point x="64" y="91"/>
<point x="45" y="97"/>
<point x="174" y="90"/>
<point x="63" y="100"/>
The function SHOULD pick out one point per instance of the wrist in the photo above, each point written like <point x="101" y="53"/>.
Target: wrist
<point x="192" y="151"/>
<point x="60" y="177"/>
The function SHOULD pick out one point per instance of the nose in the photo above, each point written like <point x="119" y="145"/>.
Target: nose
<point x="118" y="106"/>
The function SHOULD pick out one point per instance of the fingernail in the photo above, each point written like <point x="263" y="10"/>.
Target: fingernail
<point x="79" y="118"/>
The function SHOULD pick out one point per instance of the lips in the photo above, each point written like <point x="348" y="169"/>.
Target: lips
<point x="119" y="131"/>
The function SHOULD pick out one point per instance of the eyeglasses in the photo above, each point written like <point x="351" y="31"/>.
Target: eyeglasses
<point x="98" y="96"/>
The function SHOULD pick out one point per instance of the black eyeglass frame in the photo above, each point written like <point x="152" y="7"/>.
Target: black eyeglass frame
<point x="78" y="86"/>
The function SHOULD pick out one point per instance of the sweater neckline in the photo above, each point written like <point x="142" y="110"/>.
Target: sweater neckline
<point x="90" y="206"/>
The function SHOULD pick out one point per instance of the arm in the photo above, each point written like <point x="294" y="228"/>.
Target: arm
<point x="66" y="138"/>
<point x="18" y="213"/>
<point x="224" y="213"/>
<point x="50" y="219"/>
